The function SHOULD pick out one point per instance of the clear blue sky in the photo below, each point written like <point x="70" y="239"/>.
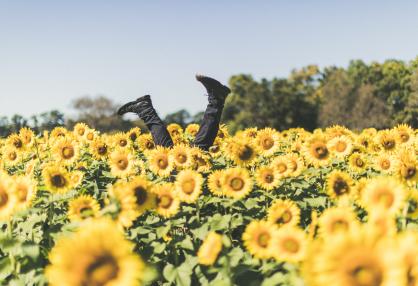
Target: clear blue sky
<point x="54" y="51"/>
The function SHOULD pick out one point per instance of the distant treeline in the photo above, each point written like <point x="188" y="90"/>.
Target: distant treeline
<point x="362" y="95"/>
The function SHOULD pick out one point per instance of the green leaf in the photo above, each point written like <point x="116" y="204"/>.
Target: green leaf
<point x="187" y="244"/>
<point x="170" y="272"/>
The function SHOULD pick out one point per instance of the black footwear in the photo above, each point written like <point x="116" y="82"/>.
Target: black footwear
<point x="135" y="106"/>
<point x="213" y="87"/>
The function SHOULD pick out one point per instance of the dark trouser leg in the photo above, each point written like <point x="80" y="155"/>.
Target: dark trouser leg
<point x="157" y="127"/>
<point x="210" y="124"/>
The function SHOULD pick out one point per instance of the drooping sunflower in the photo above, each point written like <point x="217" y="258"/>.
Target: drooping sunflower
<point x="257" y="238"/>
<point x="316" y="151"/>
<point x="121" y="163"/>
<point x="27" y="136"/>
<point x="341" y="146"/>
<point x="98" y="261"/>
<point x="384" y="192"/>
<point x="188" y="185"/>
<point x="267" y="178"/>
<point x="24" y="189"/>
<point x="215" y="182"/>
<point x="83" y="207"/>
<point x="200" y="160"/>
<point x="7" y="198"/>
<point x="99" y="149"/>
<point x="167" y="201"/>
<point x="209" y="250"/>
<point x="267" y="141"/>
<point x="281" y="164"/>
<point x="350" y="260"/>
<point x="339" y="185"/>
<point x="145" y="142"/>
<point x="236" y="183"/>
<point x="56" y="179"/>
<point x="357" y="162"/>
<point x="385" y="163"/>
<point x="66" y="151"/>
<point x="289" y="244"/>
<point x="181" y="156"/>
<point x="283" y="213"/>
<point x="336" y="221"/>
<point x="160" y="163"/>
<point x="125" y="201"/>
<point x="386" y="139"/>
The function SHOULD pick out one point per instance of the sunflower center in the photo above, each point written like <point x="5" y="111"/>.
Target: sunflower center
<point x="181" y="158"/>
<point x="359" y="162"/>
<point x="81" y="131"/>
<point x="282" y="168"/>
<point x="68" y="152"/>
<point x="133" y="136"/>
<point x="141" y="195"/>
<point x="293" y="166"/>
<point x="22" y="193"/>
<point x="4" y="198"/>
<point x="385" y="164"/>
<point x="165" y="201"/>
<point x="188" y="186"/>
<point x="366" y="276"/>
<point x="269" y="178"/>
<point x="12" y="156"/>
<point x="123" y="142"/>
<point x="321" y="152"/>
<point x="162" y="163"/>
<point x="386" y="198"/>
<point x="389" y="144"/>
<point x="90" y="136"/>
<point x="149" y="145"/>
<point x="86" y="212"/>
<point x="102" y="150"/>
<point x="340" y="187"/>
<point x="214" y="149"/>
<point x="291" y="245"/>
<point x="263" y="239"/>
<point x="340" y="146"/>
<point x="267" y="143"/>
<point x="285" y="217"/>
<point x="58" y="180"/>
<point x="246" y="153"/>
<point x="408" y="172"/>
<point x="237" y="184"/>
<point x="122" y="164"/>
<point x="404" y="137"/>
<point x="102" y="271"/>
<point x="18" y="143"/>
<point x="339" y="225"/>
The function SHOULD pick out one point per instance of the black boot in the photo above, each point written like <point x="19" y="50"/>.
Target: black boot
<point x="217" y="92"/>
<point x="136" y="106"/>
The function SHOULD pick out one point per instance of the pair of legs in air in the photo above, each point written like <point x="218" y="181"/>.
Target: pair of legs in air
<point x="209" y="127"/>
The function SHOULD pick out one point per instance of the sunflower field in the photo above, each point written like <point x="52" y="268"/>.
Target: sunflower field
<point x="261" y="207"/>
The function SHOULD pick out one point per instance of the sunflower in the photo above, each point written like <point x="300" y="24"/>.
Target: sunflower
<point x="133" y="133"/>
<point x="385" y="163"/>
<point x="283" y="213"/>
<point x="27" y="136"/>
<point x="188" y="185"/>
<point x="11" y="156"/>
<point x="281" y="164"/>
<point x="258" y="237"/>
<point x="167" y="201"/>
<point x="357" y="162"/>
<point x="200" y="160"/>
<point x="289" y="245"/>
<point x="222" y="132"/>
<point x="404" y="134"/>
<point x="236" y="183"/>
<point x="336" y="220"/>
<point x="121" y="163"/>
<point x="384" y="192"/>
<point x="24" y="189"/>
<point x="339" y="185"/>
<point x="365" y="140"/>
<point x="83" y="207"/>
<point x="407" y="168"/>
<point x="125" y="202"/>
<point x="215" y="182"/>
<point x="407" y="251"/>
<point x="316" y="151"/>
<point x="146" y="142"/>
<point x="181" y="156"/>
<point x="79" y="130"/>
<point x="58" y="132"/>
<point x="174" y="129"/>
<point x="216" y="149"/>
<point x="98" y="261"/>
<point x="192" y="129"/>
<point x="243" y="152"/>
<point x="267" y="141"/>
<point x="267" y="178"/>
<point x="209" y="250"/>
<point x="341" y="146"/>
<point x="141" y="188"/>
<point x="250" y="133"/>
<point x="16" y="142"/>
<point x="99" y="149"/>
<point x="295" y="164"/>
<point x="351" y="260"/>
<point x="381" y="223"/>
<point x="90" y="135"/>
<point x="336" y="131"/>
<point x="160" y="163"/>
<point x="56" y="179"/>
<point x="65" y="151"/>
<point x="359" y="188"/>
<point x="7" y="198"/>
<point x="386" y="139"/>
